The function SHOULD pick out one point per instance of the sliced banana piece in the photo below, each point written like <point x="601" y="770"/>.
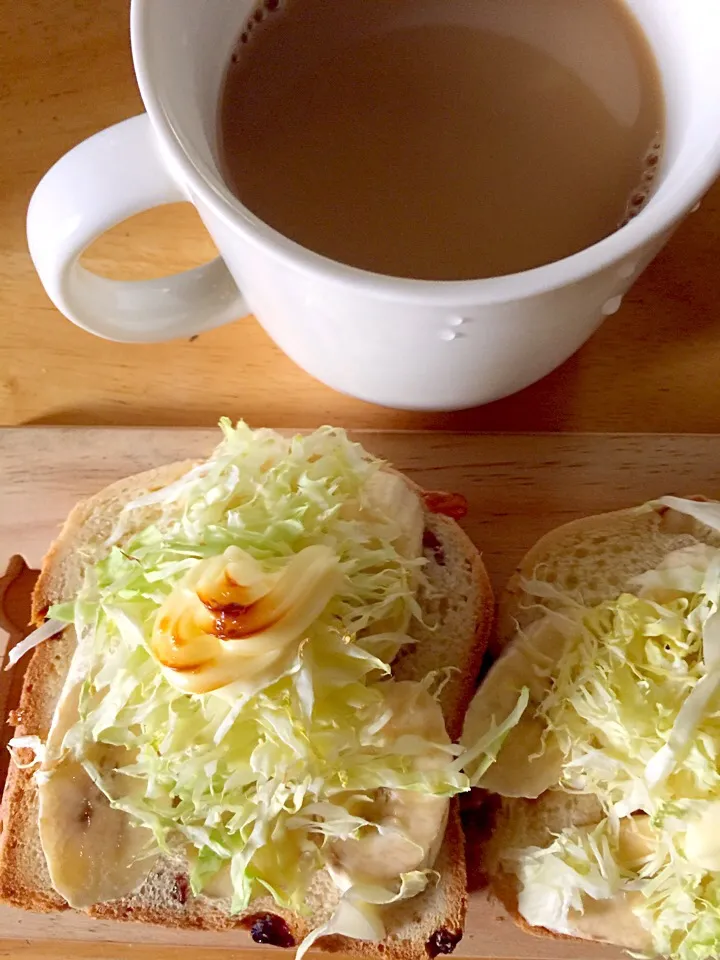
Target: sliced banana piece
<point x="391" y="495"/>
<point x="636" y="841"/>
<point x="609" y="920"/>
<point x="613" y="921"/>
<point x="220" y="886"/>
<point x="228" y="621"/>
<point x="409" y="826"/>
<point x="702" y="839"/>
<point x="523" y="767"/>
<point x="93" y="852"/>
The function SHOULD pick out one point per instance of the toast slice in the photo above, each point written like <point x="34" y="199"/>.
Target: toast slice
<point x="595" y="559"/>
<point x="428" y="924"/>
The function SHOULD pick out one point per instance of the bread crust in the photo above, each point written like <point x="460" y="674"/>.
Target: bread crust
<point x="412" y="923"/>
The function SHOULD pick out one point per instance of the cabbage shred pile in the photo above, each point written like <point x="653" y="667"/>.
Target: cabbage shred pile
<point x="260" y="782"/>
<point x="634" y="706"/>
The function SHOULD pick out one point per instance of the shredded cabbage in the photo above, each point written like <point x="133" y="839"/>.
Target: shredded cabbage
<point x="580" y="862"/>
<point x="635" y="709"/>
<point x="258" y="785"/>
<point x="44" y="632"/>
<point x="357" y="915"/>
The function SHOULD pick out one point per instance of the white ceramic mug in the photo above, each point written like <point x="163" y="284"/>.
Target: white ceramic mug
<point x="402" y="343"/>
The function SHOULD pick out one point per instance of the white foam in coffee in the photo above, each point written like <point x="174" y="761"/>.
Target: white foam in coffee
<point x="443" y="139"/>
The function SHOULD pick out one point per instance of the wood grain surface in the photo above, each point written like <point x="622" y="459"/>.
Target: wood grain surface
<point x="518" y="487"/>
<point x="67" y="73"/>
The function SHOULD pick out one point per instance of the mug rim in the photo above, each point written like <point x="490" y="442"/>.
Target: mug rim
<point x="655" y="219"/>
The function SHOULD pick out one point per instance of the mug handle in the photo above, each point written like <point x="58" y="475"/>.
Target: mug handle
<point x="105" y="179"/>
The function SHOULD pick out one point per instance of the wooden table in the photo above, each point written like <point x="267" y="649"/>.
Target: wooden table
<point x="67" y="73"/>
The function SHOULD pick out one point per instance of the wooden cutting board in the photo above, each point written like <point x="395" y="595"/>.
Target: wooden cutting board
<point x="518" y="487"/>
